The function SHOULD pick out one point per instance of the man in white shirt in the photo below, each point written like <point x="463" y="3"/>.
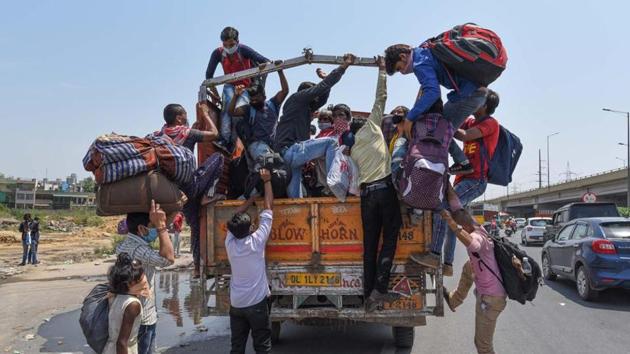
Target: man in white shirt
<point x="249" y="287"/>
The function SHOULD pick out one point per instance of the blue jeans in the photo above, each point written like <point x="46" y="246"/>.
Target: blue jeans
<point x="398" y="155"/>
<point x="146" y="339"/>
<point x="457" y="112"/>
<point x="255" y="150"/>
<point x="225" y="129"/>
<point x="300" y="153"/>
<point x="467" y="190"/>
<point x="26" y="243"/>
<point x="32" y="253"/>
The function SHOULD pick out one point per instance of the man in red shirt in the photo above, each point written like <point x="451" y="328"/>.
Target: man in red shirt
<point x="178" y="222"/>
<point x="475" y="131"/>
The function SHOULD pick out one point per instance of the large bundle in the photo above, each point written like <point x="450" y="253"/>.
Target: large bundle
<point x="134" y="195"/>
<point x="114" y="157"/>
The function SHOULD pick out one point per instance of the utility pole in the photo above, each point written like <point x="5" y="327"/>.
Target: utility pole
<point x="627" y="147"/>
<point x="539" y="170"/>
<point x="549" y="136"/>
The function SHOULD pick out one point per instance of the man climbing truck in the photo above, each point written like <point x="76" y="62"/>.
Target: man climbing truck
<point x="314" y="254"/>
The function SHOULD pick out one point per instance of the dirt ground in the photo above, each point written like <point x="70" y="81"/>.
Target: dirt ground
<point x="69" y="269"/>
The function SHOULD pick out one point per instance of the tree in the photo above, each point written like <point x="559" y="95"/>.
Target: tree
<point x="87" y="185"/>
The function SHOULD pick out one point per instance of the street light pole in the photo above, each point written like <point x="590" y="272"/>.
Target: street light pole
<point x="628" y="148"/>
<point x="549" y="136"/>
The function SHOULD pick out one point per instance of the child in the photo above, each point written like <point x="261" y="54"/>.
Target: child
<point x="249" y="287"/>
<point x="127" y="282"/>
<point x="480" y="269"/>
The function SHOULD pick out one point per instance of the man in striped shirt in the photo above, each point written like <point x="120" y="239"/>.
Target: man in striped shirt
<point x="145" y="228"/>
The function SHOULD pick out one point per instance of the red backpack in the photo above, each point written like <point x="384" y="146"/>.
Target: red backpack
<point x="473" y="52"/>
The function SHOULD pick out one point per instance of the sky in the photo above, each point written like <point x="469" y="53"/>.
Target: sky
<point x="73" y="70"/>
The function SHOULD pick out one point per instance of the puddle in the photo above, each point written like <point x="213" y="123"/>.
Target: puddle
<point x="181" y="309"/>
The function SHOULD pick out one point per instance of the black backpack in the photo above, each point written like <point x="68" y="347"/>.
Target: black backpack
<point x="518" y="289"/>
<point x="94" y="319"/>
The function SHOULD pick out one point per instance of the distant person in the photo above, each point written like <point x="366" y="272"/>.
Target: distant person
<point x="144" y="228"/>
<point x="32" y="254"/>
<point x="480" y="269"/>
<point x="178" y="223"/>
<point x="249" y="286"/>
<point x="233" y="56"/>
<point x="128" y="284"/>
<point x="293" y="139"/>
<point x="260" y="117"/>
<point x="25" y="230"/>
<point x="464" y="99"/>
<point x="177" y="128"/>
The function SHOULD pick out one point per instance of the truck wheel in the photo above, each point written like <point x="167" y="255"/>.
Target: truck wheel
<point x="275" y="332"/>
<point x="403" y="336"/>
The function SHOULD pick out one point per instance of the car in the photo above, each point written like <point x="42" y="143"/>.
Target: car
<point x="520" y="222"/>
<point x="594" y="252"/>
<point x="578" y="210"/>
<point x="534" y="230"/>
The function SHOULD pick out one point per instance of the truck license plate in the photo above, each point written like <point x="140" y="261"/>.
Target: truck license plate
<point x="313" y="279"/>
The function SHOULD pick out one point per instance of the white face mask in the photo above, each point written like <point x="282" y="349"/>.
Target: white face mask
<point x="232" y="50"/>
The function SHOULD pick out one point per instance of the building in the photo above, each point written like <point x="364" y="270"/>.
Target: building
<point x="29" y="194"/>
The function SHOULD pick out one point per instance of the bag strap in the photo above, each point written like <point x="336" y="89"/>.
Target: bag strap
<point x="476" y="254"/>
<point x="450" y="77"/>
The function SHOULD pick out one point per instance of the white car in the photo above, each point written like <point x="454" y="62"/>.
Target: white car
<point x="520" y="222"/>
<point x="534" y="230"/>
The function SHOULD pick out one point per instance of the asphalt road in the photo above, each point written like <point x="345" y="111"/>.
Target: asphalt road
<point x="557" y="322"/>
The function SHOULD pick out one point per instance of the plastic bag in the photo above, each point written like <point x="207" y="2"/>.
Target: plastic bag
<point x="354" y="177"/>
<point x="339" y="177"/>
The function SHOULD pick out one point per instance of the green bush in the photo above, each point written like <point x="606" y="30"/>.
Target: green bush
<point x="109" y="250"/>
<point x="625" y="212"/>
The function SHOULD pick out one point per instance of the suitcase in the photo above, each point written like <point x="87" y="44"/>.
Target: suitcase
<point x="134" y="194"/>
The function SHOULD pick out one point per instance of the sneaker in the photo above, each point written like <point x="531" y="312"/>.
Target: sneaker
<point x="429" y="260"/>
<point x="447" y="298"/>
<point x="376" y="299"/>
<point x="461" y="169"/>
<point x="22" y="264"/>
<point x="447" y="270"/>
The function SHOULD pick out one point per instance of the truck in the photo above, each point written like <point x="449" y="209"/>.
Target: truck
<point x="314" y="254"/>
<point x="315" y="266"/>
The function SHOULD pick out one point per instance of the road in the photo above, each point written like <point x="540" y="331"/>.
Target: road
<point x="557" y="322"/>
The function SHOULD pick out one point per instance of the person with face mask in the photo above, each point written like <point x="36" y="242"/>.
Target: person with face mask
<point x="234" y="57"/>
<point x="260" y="116"/>
<point x="465" y="98"/>
<point x="145" y="228"/>
<point x="293" y="140"/>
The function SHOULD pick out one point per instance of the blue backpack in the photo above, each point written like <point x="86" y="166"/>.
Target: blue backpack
<point x="505" y="157"/>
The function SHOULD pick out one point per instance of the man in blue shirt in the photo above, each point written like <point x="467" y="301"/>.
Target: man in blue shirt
<point x="260" y="117"/>
<point x="465" y="98"/>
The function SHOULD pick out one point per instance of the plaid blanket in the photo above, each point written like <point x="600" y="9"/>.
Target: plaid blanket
<point x="113" y="157"/>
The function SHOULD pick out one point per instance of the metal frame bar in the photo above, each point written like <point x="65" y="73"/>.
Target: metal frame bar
<point x="307" y="58"/>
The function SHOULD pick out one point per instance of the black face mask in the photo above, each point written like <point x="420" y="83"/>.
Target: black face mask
<point x="258" y="105"/>
<point x="397" y="119"/>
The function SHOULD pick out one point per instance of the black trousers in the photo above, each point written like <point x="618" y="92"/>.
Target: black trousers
<point x="256" y="319"/>
<point x="380" y="214"/>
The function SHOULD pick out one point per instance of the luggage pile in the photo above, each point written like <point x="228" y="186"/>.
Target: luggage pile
<point x="131" y="171"/>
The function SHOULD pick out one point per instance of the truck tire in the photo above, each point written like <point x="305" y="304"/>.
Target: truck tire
<point x="403" y="336"/>
<point x="275" y="332"/>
